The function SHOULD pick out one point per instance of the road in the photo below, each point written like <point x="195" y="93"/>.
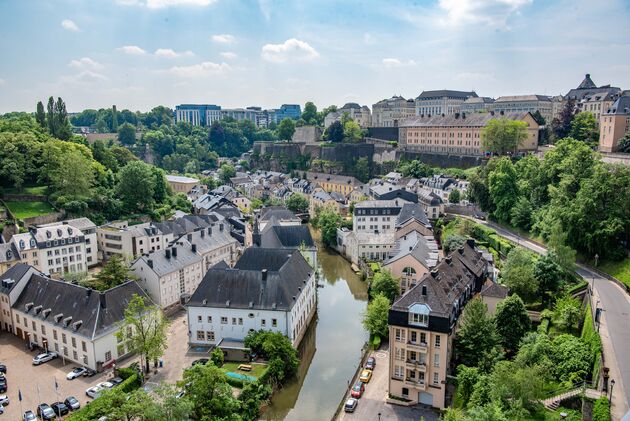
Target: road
<point x="614" y="327"/>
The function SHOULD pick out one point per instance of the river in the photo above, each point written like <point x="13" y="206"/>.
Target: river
<point x="331" y="348"/>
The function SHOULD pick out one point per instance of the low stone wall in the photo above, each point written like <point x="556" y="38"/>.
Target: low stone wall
<point x="444" y="161"/>
<point x="44" y="219"/>
<point x="24" y="198"/>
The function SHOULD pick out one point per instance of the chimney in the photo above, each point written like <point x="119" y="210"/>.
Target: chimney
<point x="464" y="116"/>
<point x="434" y="273"/>
<point x="150" y="263"/>
<point x="491" y="112"/>
<point x="174" y="251"/>
<point x="203" y="233"/>
<point x="448" y="260"/>
<point x="189" y="237"/>
<point x="194" y="248"/>
<point x="103" y="300"/>
<point x="456" y="116"/>
<point x="167" y="253"/>
<point x="424" y="290"/>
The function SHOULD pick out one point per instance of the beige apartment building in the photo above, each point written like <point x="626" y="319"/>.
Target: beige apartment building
<point x="458" y="134"/>
<point x="181" y="184"/>
<point x="342" y="184"/>
<point x="433" y="103"/>
<point x="524" y="104"/>
<point x="422" y="326"/>
<point x="476" y="104"/>
<point x="589" y="97"/>
<point x="614" y="124"/>
<point x="390" y="112"/>
<point x="360" y="114"/>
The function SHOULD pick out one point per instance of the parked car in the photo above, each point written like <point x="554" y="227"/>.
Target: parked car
<point x="44" y="357"/>
<point x="350" y="405"/>
<point x="105" y="385"/>
<point x="76" y="372"/>
<point x="93" y="391"/>
<point x="3" y="384"/>
<point x="72" y="403"/>
<point x="3" y="368"/>
<point x="200" y="361"/>
<point x="357" y="390"/>
<point x="4" y="400"/>
<point x="366" y="375"/>
<point x="45" y="412"/>
<point x="29" y="416"/>
<point x="116" y="381"/>
<point x="89" y="373"/>
<point x="371" y="363"/>
<point x="1" y="409"/>
<point x="60" y="408"/>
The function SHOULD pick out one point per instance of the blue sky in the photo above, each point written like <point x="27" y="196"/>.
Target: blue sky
<point x="141" y="53"/>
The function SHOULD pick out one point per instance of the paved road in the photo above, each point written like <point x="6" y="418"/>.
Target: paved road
<point x="614" y="328"/>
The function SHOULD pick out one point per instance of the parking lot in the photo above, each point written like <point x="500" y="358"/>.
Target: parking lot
<point x="372" y="403"/>
<point x="37" y="383"/>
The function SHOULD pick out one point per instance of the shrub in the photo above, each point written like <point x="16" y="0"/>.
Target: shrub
<point x="601" y="409"/>
<point x="235" y="382"/>
<point x="132" y="383"/>
<point x="376" y="342"/>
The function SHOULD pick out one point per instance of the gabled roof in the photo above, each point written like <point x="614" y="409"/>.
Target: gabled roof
<point x="423" y="249"/>
<point x="412" y="211"/>
<point x="244" y="285"/>
<point x="15" y="273"/>
<point x="9" y="253"/>
<point x="280" y="213"/>
<point x="286" y="236"/>
<point x="163" y="262"/>
<point x="621" y="106"/>
<point x="98" y="312"/>
<point x="495" y="290"/>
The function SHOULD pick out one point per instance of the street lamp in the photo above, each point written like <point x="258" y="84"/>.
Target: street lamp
<point x="379" y="416"/>
<point x="612" y="384"/>
<point x="596" y="259"/>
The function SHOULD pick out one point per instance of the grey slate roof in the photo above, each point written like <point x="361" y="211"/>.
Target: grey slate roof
<point x="15" y="273"/>
<point x="411" y="211"/>
<point x="517" y="98"/>
<point x="621" y="106"/>
<point x="163" y="265"/>
<point x="280" y="213"/>
<point x="492" y="289"/>
<point x="9" y="253"/>
<point x="445" y="92"/>
<point x="587" y="83"/>
<point x="424" y="249"/>
<point x="98" y="312"/>
<point x="429" y="198"/>
<point x="243" y="285"/>
<point x="287" y="236"/>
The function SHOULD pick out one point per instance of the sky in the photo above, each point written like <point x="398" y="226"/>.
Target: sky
<point x="138" y="54"/>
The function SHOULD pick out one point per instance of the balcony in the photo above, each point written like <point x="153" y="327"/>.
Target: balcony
<point x="416" y="384"/>
<point x="417" y="365"/>
<point x="422" y="346"/>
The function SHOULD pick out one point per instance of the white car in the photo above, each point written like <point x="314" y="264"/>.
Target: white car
<point x="45" y="357"/>
<point x="76" y="372"/>
<point x="4" y="400"/>
<point x="94" y="391"/>
<point x="105" y="385"/>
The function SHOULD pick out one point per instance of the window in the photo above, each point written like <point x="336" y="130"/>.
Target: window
<point x="405" y="392"/>
<point x="263" y="322"/>
<point x="75" y="356"/>
<point x="209" y="319"/>
<point x="414" y="337"/>
<point x="224" y="320"/>
<point x="274" y="322"/>
<point x="43" y="330"/>
<point x="423" y="338"/>
<point x="398" y="372"/>
<point x="65" y="351"/>
<point x="240" y="321"/>
<point x="83" y="346"/>
<point x="74" y="343"/>
<point x="436" y="360"/>
<point x="54" y="334"/>
<point x="419" y="314"/>
<point x="436" y="378"/>
<point x="210" y="336"/>
<point x="199" y="319"/>
<point x="17" y="319"/>
<point x="233" y="320"/>
<point x="108" y="356"/>
<point x="34" y="326"/>
<point x="438" y="339"/>
<point x="201" y="336"/>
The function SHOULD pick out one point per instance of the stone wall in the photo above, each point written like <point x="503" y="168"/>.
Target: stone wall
<point x="444" y="161"/>
<point x="44" y="219"/>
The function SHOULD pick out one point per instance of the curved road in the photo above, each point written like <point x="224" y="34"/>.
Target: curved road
<point x="615" y="323"/>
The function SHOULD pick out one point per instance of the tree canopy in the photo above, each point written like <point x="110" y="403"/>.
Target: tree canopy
<point x="502" y="135"/>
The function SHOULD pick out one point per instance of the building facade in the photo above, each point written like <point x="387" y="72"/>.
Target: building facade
<point x="614" y="124"/>
<point x="433" y="103"/>
<point x="476" y="104"/>
<point x="181" y="184"/>
<point x="196" y="114"/>
<point x="389" y="112"/>
<point x="360" y="114"/>
<point x="524" y="104"/>
<point x="333" y="183"/>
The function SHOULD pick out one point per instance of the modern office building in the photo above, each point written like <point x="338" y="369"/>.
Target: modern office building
<point x="197" y="114"/>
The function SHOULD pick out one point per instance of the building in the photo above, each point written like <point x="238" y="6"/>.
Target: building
<point x="181" y="184"/>
<point x="492" y="294"/>
<point x="412" y="257"/>
<point x="389" y="112"/>
<point x="130" y="241"/>
<point x="213" y="244"/>
<point x="9" y="256"/>
<point x="206" y="114"/>
<point x="589" y="97"/>
<point x="524" y="104"/>
<point x="169" y="275"/>
<point x="77" y="322"/>
<point x="413" y="218"/>
<point x="197" y="114"/>
<point x="422" y="325"/>
<point x="271" y="289"/>
<point x="432" y="204"/>
<point x="12" y="283"/>
<point x="288" y="237"/>
<point x="292" y="111"/>
<point x="88" y="228"/>
<point x="333" y="183"/>
<point x="388" y="191"/>
<point x="278" y="215"/>
<point x="55" y="249"/>
<point x="320" y="199"/>
<point x="614" y="124"/>
<point x="477" y="104"/>
<point x="360" y="114"/>
<point x="434" y="103"/>
<point x="458" y="134"/>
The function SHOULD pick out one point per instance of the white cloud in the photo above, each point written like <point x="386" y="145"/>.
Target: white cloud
<point x="489" y="12"/>
<point x="84" y="77"/>
<point x="200" y="70"/>
<point x="132" y="50"/>
<point x="85" y="63"/>
<point x="229" y="55"/>
<point x="161" y="4"/>
<point x="169" y="53"/>
<point x="223" y="38"/>
<point x="69" y="25"/>
<point x="394" y="62"/>
<point x="265" y="8"/>
<point x="290" y="50"/>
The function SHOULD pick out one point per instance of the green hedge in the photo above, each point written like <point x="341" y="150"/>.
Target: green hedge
<point x="132" y="383"/>
<point x="601" y="409"/>
<point x="591" y="337"/>
<point x="235" y="382"/>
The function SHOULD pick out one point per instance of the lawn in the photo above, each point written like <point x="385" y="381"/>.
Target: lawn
<point x="22" y="210"/>
<point x="36" y="190"/>
<point x="620" y="270"/>
<point x="257" y="369"/>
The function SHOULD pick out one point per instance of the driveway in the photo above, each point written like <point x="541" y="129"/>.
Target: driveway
<point x="372" y="405"/>
<point x="37" y="383"/>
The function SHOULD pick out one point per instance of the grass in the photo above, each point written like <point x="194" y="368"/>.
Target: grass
<point x="620" y="270"/>
<point x="257" y="369"/>
<point x="547" y="415"/>
<point x="21" y="210"/>
<point x="36" y="190"/>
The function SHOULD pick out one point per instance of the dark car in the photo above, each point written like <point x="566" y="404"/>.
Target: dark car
<point x="3" y="384"/>
<point x="60" y="408"/>
<point x="3" y="368"/>
<point x="29" y="416"/>
<point x="357" y="390"/>
<point x="45" y="412"/>
<point x="89" y="373"/>
<point x="116" y="381"/>
<point x="201" y="361"/>
<point x="371" y="363"/>
<point x="72" y="403"/>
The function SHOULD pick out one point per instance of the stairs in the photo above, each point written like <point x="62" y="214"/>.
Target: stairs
<point x="554" y="402"/>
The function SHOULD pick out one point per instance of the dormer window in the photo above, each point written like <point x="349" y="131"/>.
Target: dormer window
<point x="22" y="244"/>
<point x="59" y="233"/>
<point x="419" y="314"/>
<point x="32" y="243"/>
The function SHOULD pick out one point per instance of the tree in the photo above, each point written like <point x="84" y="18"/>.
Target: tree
<point x="69" y="168"/>
<point x="584" y="127"/>
<point x="454" y="196"/>
<point x="511" y="384"/>
<point x="40" y="115"/>
<point x="62" y="125"/>
<point x="297" y="203"/>
<point x="571" y="358"/>
<point x="539" y="118"/>
<point x="415" y="169"/>
<point x="502" y="135"/>
<point x="143" y="329"/>
<point x="285" y="129"/>
<point x="127" y="134"/>
<point x="503" y="187"/>
<point x="385" y="284"/>
<point x="521" y="213"/>
<point x="518" y="274"/>
<point x="375" y="317"/>
<point x="50" y="117"/>
<point x="114" y="273"/>
<point x="278" y="350"/>
<point x="136" y="186"/>
<point x="207" y="388"/>
<point x="334" y="132"/>
<point x="549" y="275"/>
<point x="352" y="131"/>
<point x="566" y="313"/>
<point x="562" y="125"/>
<point x="477" y="339"/>
<point x="452" y="242"/>
<point x="624" y="143"/>
<point x="362" y="169"/>
<point x="217" y="357"/>
<point x="601" y="409"/>
<point x="309" y="114"/>
<point x="564" y="255"/>
<point x="467" y="378"/>
<point x="226" y="172"/>
<point x="512" y="322"/>
<point x="328" y="221"/>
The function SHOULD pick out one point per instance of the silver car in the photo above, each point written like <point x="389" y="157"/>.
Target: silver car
<point x="43" y="358"/>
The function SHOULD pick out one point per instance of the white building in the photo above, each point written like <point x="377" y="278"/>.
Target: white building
<point x="441" y="102"/>
<point x="77" y="322"/>
<point x="360" y="114"/>
<point x="88" y="228"/>
<point x="271" y="289"/>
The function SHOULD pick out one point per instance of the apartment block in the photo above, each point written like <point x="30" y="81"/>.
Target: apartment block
<point x="433" y="103"/>
<point x="614" y="124"/>
<point x="390" y="112"/>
